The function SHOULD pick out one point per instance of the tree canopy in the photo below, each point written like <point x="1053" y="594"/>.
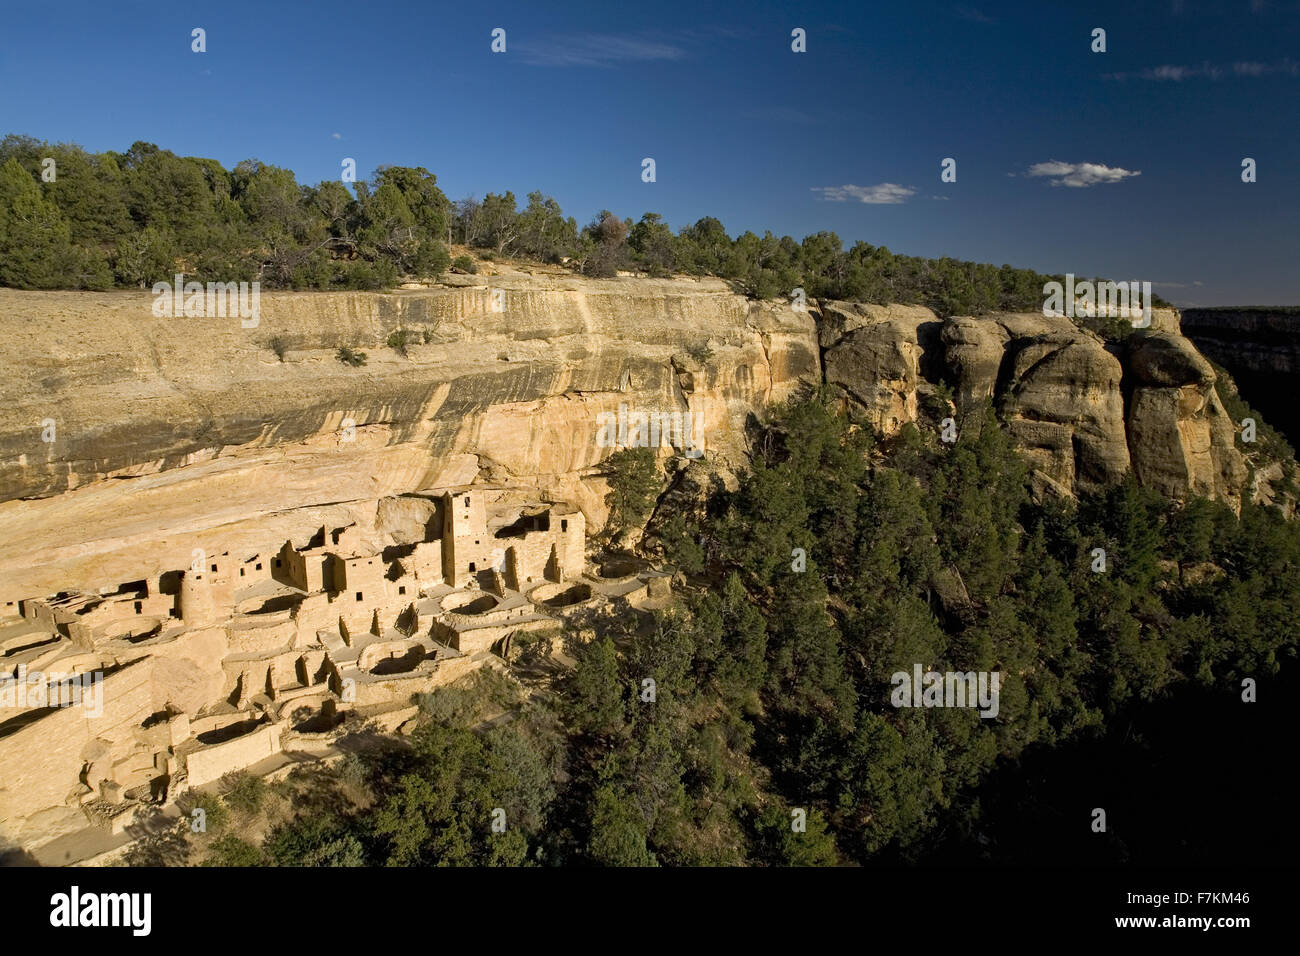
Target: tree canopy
<point x="134" y="218"/>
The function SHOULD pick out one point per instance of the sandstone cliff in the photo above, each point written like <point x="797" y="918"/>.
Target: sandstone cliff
<point x="1085" y="411"/>
<point x="178" y="433"/>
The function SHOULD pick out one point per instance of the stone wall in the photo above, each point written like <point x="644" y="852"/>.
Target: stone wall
<point x="212" y="763"/>
<point x="39" y="794"/>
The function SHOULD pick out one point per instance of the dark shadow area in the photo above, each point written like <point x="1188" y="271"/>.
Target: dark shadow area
<point x="573" y="595"/>
<point x="399" y="665"/>
<point x="620" y="566"/>
<point x="1197" y="779"/>
<point x="479" y="605"/>
<point x="148" y="635"/>
<point x="281" y="602"/>
<point x="524" y="524"/>
<point x="229" y="732"/>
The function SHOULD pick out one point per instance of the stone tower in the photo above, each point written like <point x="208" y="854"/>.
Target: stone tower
<point x="196" y="604"/>
<point x="466" y="545"/>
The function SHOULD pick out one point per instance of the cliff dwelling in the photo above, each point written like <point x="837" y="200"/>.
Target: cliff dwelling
<point x="252" y="661"/>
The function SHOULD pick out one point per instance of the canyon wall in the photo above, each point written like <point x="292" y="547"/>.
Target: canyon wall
<point x="170" y="434"/>
<point x="1260" y="347"/>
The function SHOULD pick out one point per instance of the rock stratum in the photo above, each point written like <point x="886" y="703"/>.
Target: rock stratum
<point x="170" y="434"/>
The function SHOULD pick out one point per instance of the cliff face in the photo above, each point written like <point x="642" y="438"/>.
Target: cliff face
<point x="178" y="433"/>
<point x="1260" y="347"/>
<point x="1084" y="411"/>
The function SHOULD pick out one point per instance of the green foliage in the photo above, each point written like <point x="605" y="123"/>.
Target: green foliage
<point x="464" y="264"/>
<point x="595" y="693"/>
<point x="652" y="245"/>
<point x="350" y="357"/>
<point x="244" y="792"/>
<point x="634" y="482"/>
<point x="543" y="232"/>
<point x="682" y="548"/>
<point x="315" y="840"/>
<point x="37" y="250"/>
<point x="937" y="404"/>
<point x="158" y="214"/>
<point x="937" y="555"/>
<point x="230" y="850"/>
<point x="399" y="339"/>
<point x="778" y="843"/>
<point x="142" y="258"/>
<point x="156" y="211"/>
<point x="602" y="247"/>
<point x="618" y="832"/>
<point x="441" y="811"/>
<point x="215" y="814"/>
<point x="688" y="736"/>
<point x="700" y="351"/>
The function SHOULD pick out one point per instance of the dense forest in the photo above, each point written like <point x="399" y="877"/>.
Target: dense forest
<point x="772" y="683"/>
<point x="127" y="220"/>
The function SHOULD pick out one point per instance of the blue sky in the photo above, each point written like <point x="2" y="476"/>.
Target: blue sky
<point x="740" y="127"/>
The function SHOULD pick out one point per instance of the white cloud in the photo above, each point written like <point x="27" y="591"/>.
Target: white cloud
<point x="882" y="194"/>
<point x="337" y="135"/>
<point x="1080" y="175"/>
<point x="1172" y="73"/>
<point x="1289" y="67"/>
<point x="1175" y="73"/>
<point x="595" y="49"/>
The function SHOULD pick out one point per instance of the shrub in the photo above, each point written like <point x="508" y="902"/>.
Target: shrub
<point x="279" y="346"/>
<point x="348" y="357"/>
<point x="232" y="851"/>
<point x="214" y="814"/>
<point x="315" y="840"/>
<point x="398" y="341"/>
<point x="431" y="261"/>
<point x="700" y="352"/>
<point x="464" y="264"/>
<point x="245" y="792"/>
<point x="634" y="483"/>
<point x="938" y="404"/>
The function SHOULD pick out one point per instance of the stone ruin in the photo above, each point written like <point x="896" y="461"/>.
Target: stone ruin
<point x="122" y="697"/>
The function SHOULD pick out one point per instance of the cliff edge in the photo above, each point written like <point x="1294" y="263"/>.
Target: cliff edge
<point x="127" y="439"/>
